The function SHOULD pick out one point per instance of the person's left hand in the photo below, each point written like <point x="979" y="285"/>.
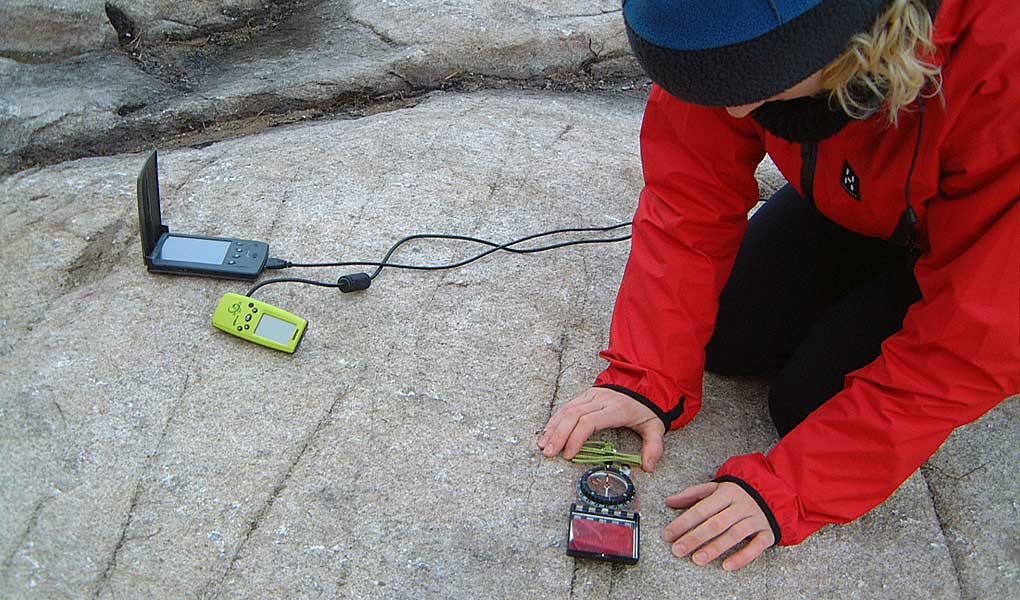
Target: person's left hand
<point x="718" y="517"/>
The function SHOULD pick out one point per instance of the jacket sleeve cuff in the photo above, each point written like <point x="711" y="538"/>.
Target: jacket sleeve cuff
<point x="674" y="405"/>
<point x="773" y="523"/>
<point x="667" y="417"/>
<point x="776" y="498"/>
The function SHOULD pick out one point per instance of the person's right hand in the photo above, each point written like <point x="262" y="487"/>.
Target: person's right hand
<point x="597" y="409"/>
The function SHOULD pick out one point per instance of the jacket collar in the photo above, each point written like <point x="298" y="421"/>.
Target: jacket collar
<point x="811" y="120"/>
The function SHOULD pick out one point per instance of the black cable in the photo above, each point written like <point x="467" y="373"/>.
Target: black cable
<point x="495" y="247"/>
<point x="361" y="281"/>
<point x="908" y="221"/>
<point x="291" y="280"/>
<point x="911" y="215"/>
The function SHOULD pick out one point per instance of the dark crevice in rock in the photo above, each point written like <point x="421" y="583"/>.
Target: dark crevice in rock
<point x="213" y="586"/>
<point x="375" y="31"/>
<point x="588" y="15"/>
<point x="563" y="133"/>
<point x="407" y="82"/>
<point x="103" y="582"/>
<point x="181" y="60"/>
<point x="614" y="571"/>
<point x="127" y="30"/>
<point x="186" y="26"/>
<point x="263" y="111"/>
<point x="598" y="57"/>
<point x="96" y="259"/>
<point x="127" y="109"/>
<point x="560" y="351"/>
<point x="955" y="555"/>
<point x="33" y="520"/>
<point x="573" y="581"/>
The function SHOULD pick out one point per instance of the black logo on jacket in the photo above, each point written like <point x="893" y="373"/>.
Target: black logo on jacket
<point x="851" y="183"/>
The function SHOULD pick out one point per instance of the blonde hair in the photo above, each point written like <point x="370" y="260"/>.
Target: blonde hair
<point x="886" y="66"/>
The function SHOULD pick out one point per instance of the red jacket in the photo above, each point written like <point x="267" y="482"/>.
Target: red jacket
<point x="958" y="354"/>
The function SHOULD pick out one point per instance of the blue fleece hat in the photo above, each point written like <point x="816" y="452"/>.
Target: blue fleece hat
<point x="733" y="52"/>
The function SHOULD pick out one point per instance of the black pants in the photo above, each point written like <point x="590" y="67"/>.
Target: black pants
<point x="807" y="302"/>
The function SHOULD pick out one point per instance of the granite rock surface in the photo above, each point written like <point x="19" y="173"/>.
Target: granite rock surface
<point x="147" y="454"/>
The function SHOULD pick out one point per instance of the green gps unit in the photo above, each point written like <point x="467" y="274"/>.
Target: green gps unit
<point x="258" y="322"/>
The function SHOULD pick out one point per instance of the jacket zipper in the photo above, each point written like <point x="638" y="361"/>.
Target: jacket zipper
<point x="809" y="158"/>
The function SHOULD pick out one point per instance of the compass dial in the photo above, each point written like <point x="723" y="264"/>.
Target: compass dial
<point x="606" y="485"/>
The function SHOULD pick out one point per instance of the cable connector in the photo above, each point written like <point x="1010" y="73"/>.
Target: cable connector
<point x="277" y="263"/>
<point x="354" y="282"/>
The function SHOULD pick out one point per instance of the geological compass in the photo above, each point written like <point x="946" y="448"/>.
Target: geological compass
<point x="604" y="522"/>
<point x="606" y="486"/>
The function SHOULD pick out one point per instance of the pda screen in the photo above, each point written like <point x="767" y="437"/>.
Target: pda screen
<point x="194" y="250"/>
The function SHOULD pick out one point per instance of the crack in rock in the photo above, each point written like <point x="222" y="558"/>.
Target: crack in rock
<point x="376" y="32"/>
<point x="212" y="588"/>
<point x="103" y="581"/>
<point x="588" y="15"/>
<point x="573" y="579"/>
<point x="33" y="520"/>
<point x="953" y="558"/>
<point x="560" y="351"/>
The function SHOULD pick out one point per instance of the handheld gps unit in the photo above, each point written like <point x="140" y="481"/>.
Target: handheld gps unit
<point x="183" y="254"/>
<point x="259" y="322"/>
